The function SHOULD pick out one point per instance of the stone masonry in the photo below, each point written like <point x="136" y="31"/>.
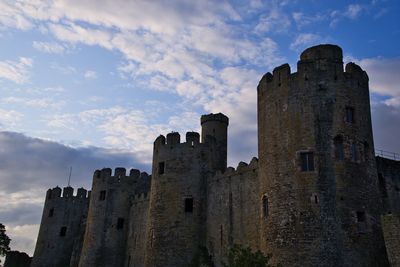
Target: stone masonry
<point x="314" y="197"/>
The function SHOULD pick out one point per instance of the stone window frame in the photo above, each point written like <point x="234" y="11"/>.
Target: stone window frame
<point x="299" y="162"/>
<point x="120" y="223"/>
<point x="338" y="148"/>
<point x="102" y="195"/>
<point x="349" y="114"/>
<point x="51" y="212"/>
<point x="161" y="167"/>
<point x="265" y="206"/>
<point x="188" y="202"/>
<point x="63" y="231"/>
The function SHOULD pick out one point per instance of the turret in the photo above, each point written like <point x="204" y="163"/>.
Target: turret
<point x="317" y="176"/>
<point x="214" y="131"/>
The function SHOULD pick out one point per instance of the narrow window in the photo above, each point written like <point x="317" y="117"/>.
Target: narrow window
<point x="63" y="231"/>
<point x="354" y="152"/>
<point x="265" y="206"/>
<point x="349" y="114"/>
<point x="161" y="167"/>
<point x="361" y="216"/>
<point x="189" y="205"/>
<point x="307" y="161"/>
<point x="339" y="151"/>
<point x="221" y="234"/>
<point x="382" y="185"/>
<point x="51" y="212"/>
<point x="366" y="151"/>
<point x="316" y="199"/>
<point x="120" y="223"/>
<point x="102" y="195"/>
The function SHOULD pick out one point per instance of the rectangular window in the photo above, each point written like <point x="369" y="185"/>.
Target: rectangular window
<point x="63" y="231"/>
<point x="361" y="216"/>
<point x="307" y="161"/>
<point x="102" y="195"/>
<point x="265" y="206"/>
<point x="349" y="114"/>
<point x="120" y="223"/>
<point x="354" y="152"/>
<point x="189" y="205"/>
<point x="51" y="212"/>
<point x="161" y="167"/>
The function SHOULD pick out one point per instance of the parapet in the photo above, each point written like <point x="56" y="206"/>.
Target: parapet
<point x="67" y="192"/>
<point x="323" y="51"/>
<point x="242" y="168"/>
<point x="173" y="139"/>
<point x="214" y="117"/>
<point x="355" y="70"/>
<point x="120" y="175"/>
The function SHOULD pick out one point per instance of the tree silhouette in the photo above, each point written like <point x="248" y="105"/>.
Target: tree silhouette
<point x="4" y="241"/>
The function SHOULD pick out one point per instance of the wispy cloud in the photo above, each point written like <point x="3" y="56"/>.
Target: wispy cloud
<point x="16" y="71"/>
<point x="49" y="47"/>
<point x="9" y="118"/>
<point x="90" y="75"/>
<point x="304" y="40"/>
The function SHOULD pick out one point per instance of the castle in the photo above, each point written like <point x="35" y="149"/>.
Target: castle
<point x="315" y="196"/>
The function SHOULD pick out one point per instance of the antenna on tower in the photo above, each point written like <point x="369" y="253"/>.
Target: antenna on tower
<point x="69" y="177"/>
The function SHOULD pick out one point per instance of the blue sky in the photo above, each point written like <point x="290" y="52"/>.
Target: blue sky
<point x="91" y="83"/>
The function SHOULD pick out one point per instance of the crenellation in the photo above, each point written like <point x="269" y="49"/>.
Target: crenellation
<point x="312" y="197"/>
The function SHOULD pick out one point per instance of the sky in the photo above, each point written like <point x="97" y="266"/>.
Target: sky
<point x="92" y="83"/>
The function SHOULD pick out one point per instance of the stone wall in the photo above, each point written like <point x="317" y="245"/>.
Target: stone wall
<point x="391" y="230"/>
<point x="233" y="210"/>
<point x="137" y="235"/>
<point x="106" y="234"/>
<point x="316" y="164"/>
<point x="61" y="231"/>
<point x="389" y="184"/>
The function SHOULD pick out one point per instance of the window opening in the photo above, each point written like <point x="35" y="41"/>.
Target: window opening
<point x="316" y="199"/>
<point x="189" y="205"/>
<point x="354" y="152"/>
<point x="361" y="216"/>
<point x="161" y="167"/>
<point x="102" y="195"/>
<point x="265" y="206"/>
<point x="63" y="231"/>
<point x="51" y="212"/>
<point x="339" y="151"/>
<point x="120" y="223"/>
<point x="307" y="161"/>
<point x="349" y="114"/>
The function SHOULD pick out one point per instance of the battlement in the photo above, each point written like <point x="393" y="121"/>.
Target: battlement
<point x="66" y="192"/>
<point x="214" y="117"/>
<point x="241" y="168"/>
<point x="174" y="139"/>
<point x="120" y="176"/>
<point x="136" y="198"/>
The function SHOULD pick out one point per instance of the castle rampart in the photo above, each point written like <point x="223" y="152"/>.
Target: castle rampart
<point x="232" y="209"/>
<point x="314" y="136"/>
<point x="60" y="229"/>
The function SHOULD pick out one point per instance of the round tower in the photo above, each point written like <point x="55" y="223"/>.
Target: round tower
<point x="214" y="131"/>
<point x="61" y="227"/>
<point x="108" y="218"/>
<point x="177" y="208"/>
<point x="318" y="186"/>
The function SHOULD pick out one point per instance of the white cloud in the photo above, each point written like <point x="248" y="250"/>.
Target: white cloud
<point x="304" y="40"/>
<point x="383" y="75"/>
<point x="16" y="71"/>
<point x="353" y="11"/>
<point x="12" y="16"/>
<point x="45" y="102"/>
<point x="49" y="47"/>
<point x="9" y="118"/>
<point x="276" y="20"/>
<point x="90" y="75"/>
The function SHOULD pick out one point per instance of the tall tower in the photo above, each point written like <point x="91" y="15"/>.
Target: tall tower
<point x="61" y="229"/>
<point x="318" y="184"/>
<point x="177" y="213"/>
<point x="105" y="242"/>
<point x="214" y="130"/>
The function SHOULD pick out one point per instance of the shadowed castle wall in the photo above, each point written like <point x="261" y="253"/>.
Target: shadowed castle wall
<point x="389" y="184"/>
<point x="107" y="226"/>
<point x="328" y="215"/>
<point x="233" y="210"/>
<point x="61" y="227"/>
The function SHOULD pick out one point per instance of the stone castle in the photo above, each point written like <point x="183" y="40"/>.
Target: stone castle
<point x="316" y="195"/>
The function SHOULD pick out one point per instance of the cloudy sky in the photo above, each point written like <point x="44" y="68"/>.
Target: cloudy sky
<point x="91" y="83"/>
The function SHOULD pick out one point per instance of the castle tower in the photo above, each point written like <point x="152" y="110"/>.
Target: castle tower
<point x="177" y="208"/>
<point x="214" y="130"/>
<point x="318" y="195"/>
<point x="105" y="242"/>
<point x="60" y="233"/>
